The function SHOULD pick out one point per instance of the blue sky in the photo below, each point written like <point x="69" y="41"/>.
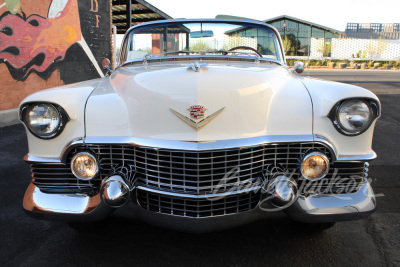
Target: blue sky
<point x="333" y="14"/>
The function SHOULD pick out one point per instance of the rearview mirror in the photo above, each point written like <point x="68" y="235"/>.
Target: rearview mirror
<point x="298" y="67"/>
<point x="106" y="65"/>
<point x="198" y="34"/>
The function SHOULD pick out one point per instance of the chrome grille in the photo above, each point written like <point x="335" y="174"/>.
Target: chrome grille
<point x="203" y="172"/>
<point x="58" y="178"/>
<point x="190" y="207"/>
<point x="196" y="172"/>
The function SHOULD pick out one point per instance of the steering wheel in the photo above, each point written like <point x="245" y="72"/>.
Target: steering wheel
<point x="246" y="47"/>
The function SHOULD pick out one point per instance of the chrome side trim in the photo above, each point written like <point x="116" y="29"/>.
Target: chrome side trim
<point x="30" y="159"/>
<point x="173" y="194"/>
<point x="367" y="157"/>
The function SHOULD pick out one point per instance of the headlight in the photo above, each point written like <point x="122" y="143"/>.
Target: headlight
<point x="354" y="115"/>
<point x="315" y="166"/>
<point x="44" y="120"/>
<point x="84" y="166"/>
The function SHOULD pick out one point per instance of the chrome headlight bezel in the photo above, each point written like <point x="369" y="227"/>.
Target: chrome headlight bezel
<point x="373" y="107"/>
<point x="64" y="118"/>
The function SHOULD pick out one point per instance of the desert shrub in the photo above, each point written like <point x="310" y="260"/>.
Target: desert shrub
<point x="371" y="64"/>
<point x="290" y="62"/>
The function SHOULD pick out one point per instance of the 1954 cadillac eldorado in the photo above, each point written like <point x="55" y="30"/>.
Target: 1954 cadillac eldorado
<point x="200" y="127"/>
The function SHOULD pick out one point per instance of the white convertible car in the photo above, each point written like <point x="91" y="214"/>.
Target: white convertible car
<point x="201" y="126"/>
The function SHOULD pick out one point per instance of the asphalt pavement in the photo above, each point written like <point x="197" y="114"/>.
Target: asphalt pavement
<point x="375" y="241"/>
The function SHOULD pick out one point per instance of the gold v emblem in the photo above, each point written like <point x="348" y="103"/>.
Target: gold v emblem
<point x="199" y="124"/>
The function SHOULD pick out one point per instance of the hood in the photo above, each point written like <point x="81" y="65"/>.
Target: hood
<point x="152" y="102"/>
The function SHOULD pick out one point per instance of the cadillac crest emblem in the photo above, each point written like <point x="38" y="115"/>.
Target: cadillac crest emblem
<point x="196" y="111"/>
<point x="197" y="119"/>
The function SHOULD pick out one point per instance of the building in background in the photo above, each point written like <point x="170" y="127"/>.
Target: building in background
<point x="297" y="33"/>
<point x="364" y="41"/>
<point x="389" y="31"/>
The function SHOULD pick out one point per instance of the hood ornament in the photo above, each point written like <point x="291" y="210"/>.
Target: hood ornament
<point x="196" y="66"/>
<point x="197" y="113"/>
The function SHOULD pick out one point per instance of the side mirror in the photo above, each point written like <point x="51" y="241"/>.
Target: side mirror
<point x="106" y="65"/>
<point x="298" y="67"/>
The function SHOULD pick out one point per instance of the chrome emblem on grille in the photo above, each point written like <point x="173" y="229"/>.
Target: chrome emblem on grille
<point x="197" y="113"/>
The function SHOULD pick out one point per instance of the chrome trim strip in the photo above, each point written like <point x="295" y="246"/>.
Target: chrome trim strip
<point x="200" y="145"/>
<point x="30" y="159"/>
<point x="326" y="141"/>
<point x="367" y="157"/>
<point x="173" y="194"/>
<point x="67" y="148"/>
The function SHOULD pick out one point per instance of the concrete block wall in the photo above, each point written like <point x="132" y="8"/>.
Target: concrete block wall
<point x="49" y="43"/>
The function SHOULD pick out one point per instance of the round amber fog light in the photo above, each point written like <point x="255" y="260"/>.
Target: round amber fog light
<point x="315" y="166"/>
<point x="84" y="166"/>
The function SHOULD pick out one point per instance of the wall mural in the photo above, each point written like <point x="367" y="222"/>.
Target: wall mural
<point x="38" y="38"/>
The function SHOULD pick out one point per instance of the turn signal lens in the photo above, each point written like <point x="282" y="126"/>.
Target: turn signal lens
<point x="84" y="166"/>
<point x="315" y="166"/>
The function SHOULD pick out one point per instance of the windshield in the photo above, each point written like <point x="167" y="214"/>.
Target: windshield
<point x="182" y="39"/>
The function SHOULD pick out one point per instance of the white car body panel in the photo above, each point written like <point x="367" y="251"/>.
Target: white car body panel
<point x="258" y="100"/>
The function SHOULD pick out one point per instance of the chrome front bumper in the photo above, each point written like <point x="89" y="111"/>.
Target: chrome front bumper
<point x="310" y="209"/>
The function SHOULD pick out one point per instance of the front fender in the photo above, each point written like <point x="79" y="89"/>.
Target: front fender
<point x="325" y="95"/>
<point x="72" y="98"/>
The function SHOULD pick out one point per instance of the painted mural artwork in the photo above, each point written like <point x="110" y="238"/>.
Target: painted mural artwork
<point x="48" y="43"/>
<point x="33" y="43"/>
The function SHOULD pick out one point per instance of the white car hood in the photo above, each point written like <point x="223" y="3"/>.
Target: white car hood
<point x="258" y="100"/>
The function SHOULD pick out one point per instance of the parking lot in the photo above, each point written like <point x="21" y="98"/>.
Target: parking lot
<point x="277" y="241"/>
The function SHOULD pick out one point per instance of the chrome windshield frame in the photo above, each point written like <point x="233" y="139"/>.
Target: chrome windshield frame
<point x="228" y="21"/>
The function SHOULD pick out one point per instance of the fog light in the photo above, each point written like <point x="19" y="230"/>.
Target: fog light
<point x="315" y="166"/>
<point x="84" y="166"/>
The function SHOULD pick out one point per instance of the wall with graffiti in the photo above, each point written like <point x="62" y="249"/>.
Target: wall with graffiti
<point x="48" y="43"/>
